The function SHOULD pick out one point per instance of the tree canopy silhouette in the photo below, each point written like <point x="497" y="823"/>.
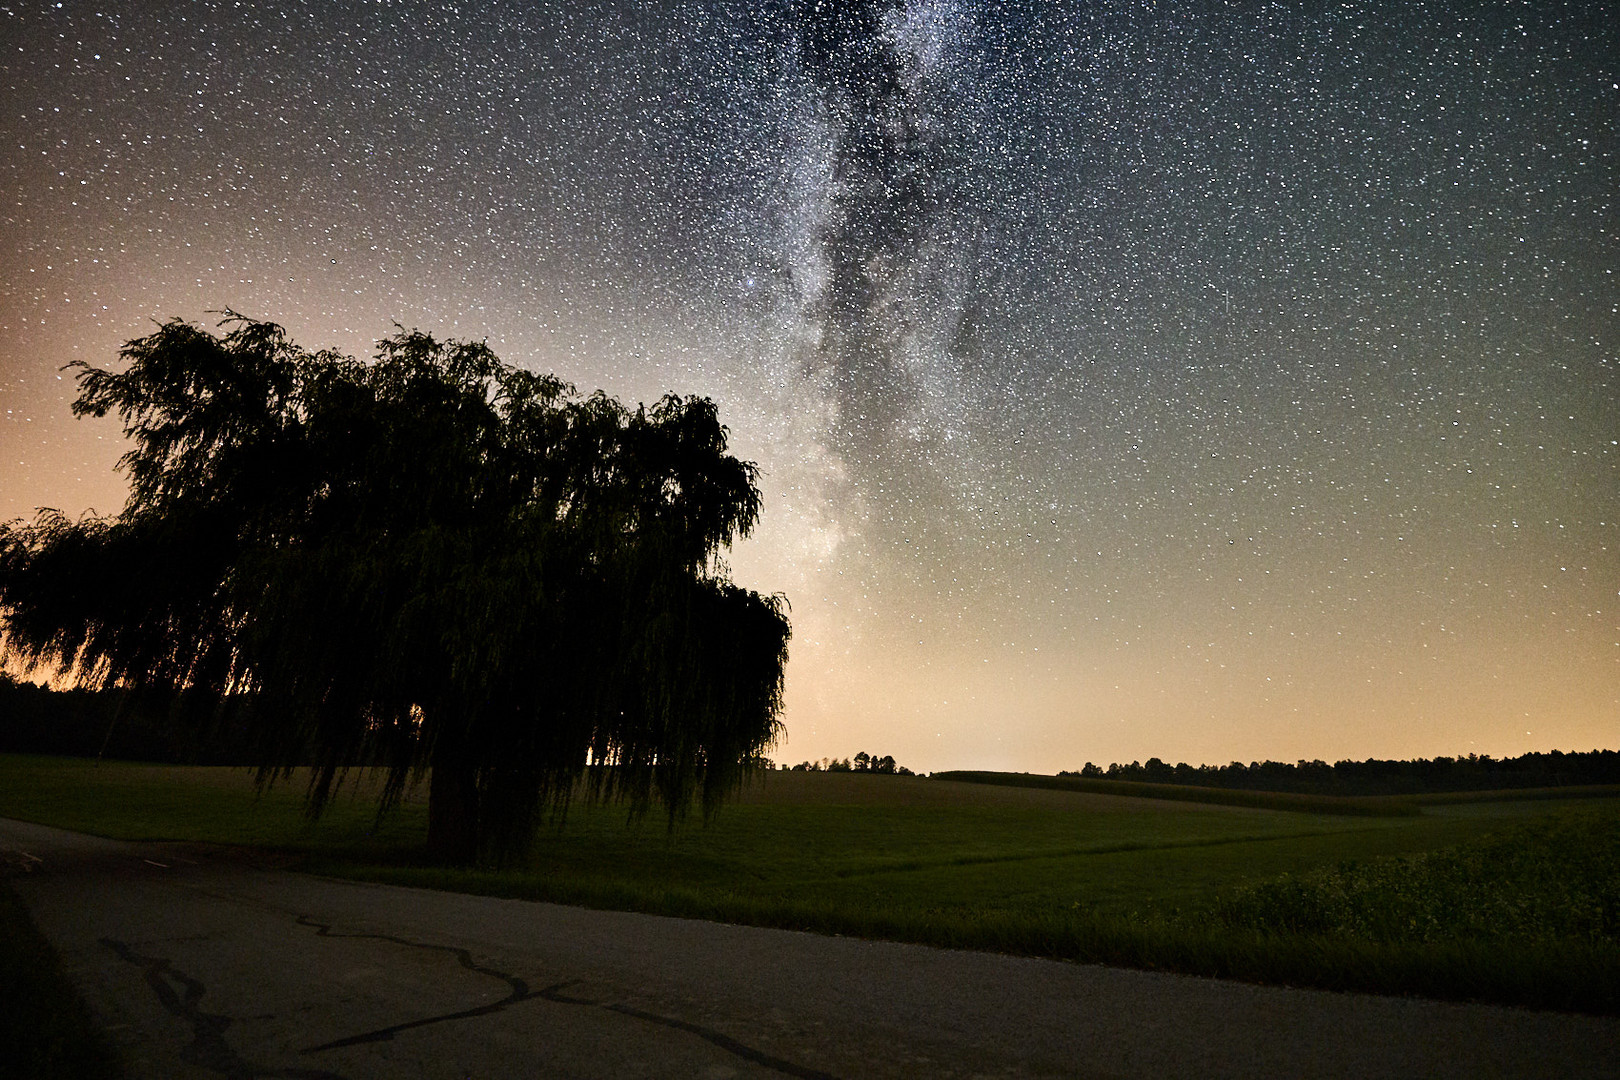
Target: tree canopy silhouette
<point x="430" y="562"/>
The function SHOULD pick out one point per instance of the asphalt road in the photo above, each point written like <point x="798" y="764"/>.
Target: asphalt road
<point x="202" y="965"/>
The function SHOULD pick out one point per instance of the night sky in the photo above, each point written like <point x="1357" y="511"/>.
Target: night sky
<point x="1201" y="381"/>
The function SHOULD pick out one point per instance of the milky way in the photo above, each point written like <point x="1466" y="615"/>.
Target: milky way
<point x="1201" y="381"/>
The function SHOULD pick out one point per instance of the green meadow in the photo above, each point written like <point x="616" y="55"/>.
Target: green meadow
<point x="1513" y="900"/>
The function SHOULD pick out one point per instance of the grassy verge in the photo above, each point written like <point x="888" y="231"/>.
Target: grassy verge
<point x="1057" y="872"/>
<point x="45" y="1031"/>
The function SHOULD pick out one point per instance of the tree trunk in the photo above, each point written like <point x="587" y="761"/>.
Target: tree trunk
<point x="453" y="813"/>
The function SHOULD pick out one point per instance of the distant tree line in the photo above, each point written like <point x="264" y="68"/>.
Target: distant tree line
<point x="1475" y="772"/>
<point x="193" y="727"/>
<point x="198" y="728"/>
<point x="861" y="762"/>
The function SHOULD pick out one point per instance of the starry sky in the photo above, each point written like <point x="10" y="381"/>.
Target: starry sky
<point x="1206" y="381"/>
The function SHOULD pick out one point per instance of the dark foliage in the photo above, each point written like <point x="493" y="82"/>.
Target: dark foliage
<point x="187" y="728"/>
<point x="1374" y="777"/>
<point x="433" y="561"/>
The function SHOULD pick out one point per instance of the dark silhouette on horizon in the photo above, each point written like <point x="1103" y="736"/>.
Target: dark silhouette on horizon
<point x="862" y="763"/>
<point x="1470" y="772"/>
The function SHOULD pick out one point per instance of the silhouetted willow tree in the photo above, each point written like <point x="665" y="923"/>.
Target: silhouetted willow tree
<point x="430" y="561"/>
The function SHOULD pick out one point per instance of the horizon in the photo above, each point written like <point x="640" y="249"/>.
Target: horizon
<point x="1125" y="384"/>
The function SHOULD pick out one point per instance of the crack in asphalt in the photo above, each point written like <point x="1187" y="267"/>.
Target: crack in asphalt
<point x="520" y="989"/>
<point x="553" y="993"/>
<point x="725" y="1042"/>
<point x="208" y="1047"/>
<point x="210" y="1050"/>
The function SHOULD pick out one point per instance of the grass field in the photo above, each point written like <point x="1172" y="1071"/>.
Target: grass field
<point x="1352" y="806"/>
<point x="1185" y="886"/>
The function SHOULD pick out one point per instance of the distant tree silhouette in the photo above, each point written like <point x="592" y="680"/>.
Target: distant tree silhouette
<point x="862" y="762"/>
<point x="1472" y="772"/>
<point x="865" y="762"/>
<point x="431" y="562"/>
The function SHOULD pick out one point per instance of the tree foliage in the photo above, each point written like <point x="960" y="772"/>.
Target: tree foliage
<point x="431" y="561"/>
